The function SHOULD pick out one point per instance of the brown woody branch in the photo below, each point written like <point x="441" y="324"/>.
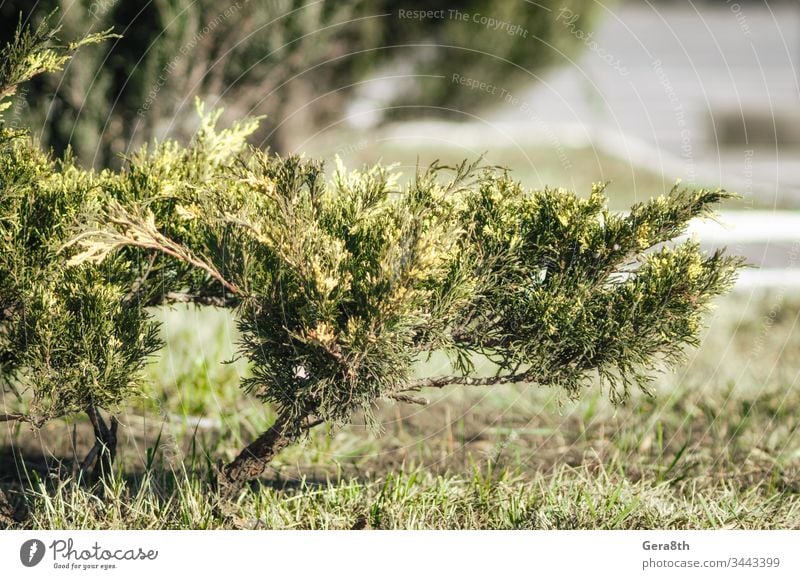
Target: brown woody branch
<point x="160" y="242"/>
<point x="442" y="381"/>
<point x="408" y="398"/>
<point x="311" y="422"/>
<point x="253" y="460"/>
<point x="216" y="301"/>
<point x="15" y="417"/>
<point x="137" y="231"/>
<point x="101" y="456"/>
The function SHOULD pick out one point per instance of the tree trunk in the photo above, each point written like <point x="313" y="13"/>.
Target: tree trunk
<point x="253" y="460"/>
<point x="100" y="458"/>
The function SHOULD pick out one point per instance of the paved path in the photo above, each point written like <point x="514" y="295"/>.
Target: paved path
<point x="687" y="74"/>
<point x="770" y="241"/>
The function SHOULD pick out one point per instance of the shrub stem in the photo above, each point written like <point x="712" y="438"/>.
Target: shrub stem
<point x="253" y="460"/>
<point x="100" y="458"/>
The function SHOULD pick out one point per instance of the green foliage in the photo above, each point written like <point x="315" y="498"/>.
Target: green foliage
<point x="78" y="335"/>
<point x="340" y="288"/>
<point x="69" y="337"/>
<point x="570" y="288"/>
<point x="33" y="51"/>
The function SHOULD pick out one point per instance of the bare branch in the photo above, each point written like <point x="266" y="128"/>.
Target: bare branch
<point x="400" y="397"/>
<point x="216" y="301"/>
<point x="311" y="422"/>
<point x="138" y="231"/>
<point x="13" y="417"/>
<point x="140" y="281"/>
<point x="101" y="456"/>
<point x="98" y="424"/>
<point x="442" y="381"/>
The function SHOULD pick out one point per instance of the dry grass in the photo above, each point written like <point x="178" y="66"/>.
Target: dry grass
<point x="717" y="447"/>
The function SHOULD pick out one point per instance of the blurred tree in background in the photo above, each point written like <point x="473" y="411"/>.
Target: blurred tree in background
<point x="300" y="62"/>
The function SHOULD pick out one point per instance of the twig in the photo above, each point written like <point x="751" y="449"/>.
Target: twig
<point x="12" y="417"/>
<point x="219" y="302"/>
<point x="442" y="381"/>
<point x="154" y="239"/>
<point x="138" y="231"/>
<point x="400" y="397"/>
<point x="311" y="423"/>
<point x="140" y="281"/>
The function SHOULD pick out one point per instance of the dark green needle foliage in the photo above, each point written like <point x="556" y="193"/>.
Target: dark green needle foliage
<point x="341" y="285"/>
<point x="574" y="290"/>
<point x="74" y="337"/>
<point x="68" y="338"/>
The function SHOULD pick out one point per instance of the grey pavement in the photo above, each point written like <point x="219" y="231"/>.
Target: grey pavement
<point x="688" y="81"/>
